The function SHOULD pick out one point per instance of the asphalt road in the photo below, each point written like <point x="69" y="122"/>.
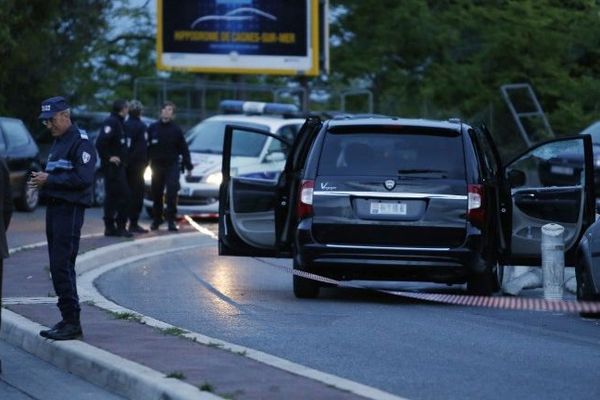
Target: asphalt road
<point x="412" y="349"/>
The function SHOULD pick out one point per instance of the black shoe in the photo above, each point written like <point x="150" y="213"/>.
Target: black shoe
<point x="68" y="331"/>
<point x="111" y="232"/>
<point x="173" y="227"/>
<point x="58" y="325"/>
<point x="137" y="229"/>
<point x="124" y="233"/>
<point x="154" y="226"/>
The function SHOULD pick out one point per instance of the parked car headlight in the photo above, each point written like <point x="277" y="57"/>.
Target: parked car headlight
<point x="148" y="174"/>
<point x="215" y="178"/>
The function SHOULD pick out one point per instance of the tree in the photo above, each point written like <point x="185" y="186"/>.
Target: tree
<point x="447" y="58"/>
<point x="41" y="45"/>
<point x="88" y="50"/>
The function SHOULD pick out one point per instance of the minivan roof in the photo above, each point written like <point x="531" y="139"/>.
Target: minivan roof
<point x="393" y="121"/>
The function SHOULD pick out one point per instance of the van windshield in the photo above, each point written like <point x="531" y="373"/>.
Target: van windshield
<point x="207" y="137"/>
<point x="404" y="155"/>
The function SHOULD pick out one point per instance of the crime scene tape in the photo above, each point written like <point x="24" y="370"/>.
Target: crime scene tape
<point x="500" y="302"/>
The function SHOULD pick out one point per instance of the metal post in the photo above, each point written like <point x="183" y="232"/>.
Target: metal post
<point x="553" y="261"/>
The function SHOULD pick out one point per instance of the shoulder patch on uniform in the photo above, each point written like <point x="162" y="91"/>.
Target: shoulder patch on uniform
<point x="83" y="134"/>
<point x="86" y="157"/>
<point x="107" y="129"/>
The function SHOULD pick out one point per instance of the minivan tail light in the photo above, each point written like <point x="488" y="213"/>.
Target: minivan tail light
<point x="305" y="199"/>
<point x="476" y="210"/>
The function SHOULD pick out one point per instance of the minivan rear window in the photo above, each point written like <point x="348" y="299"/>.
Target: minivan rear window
<point x="393" y="154"/>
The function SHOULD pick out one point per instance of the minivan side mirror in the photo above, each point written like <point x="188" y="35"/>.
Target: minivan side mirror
<point x="516" y="178"/>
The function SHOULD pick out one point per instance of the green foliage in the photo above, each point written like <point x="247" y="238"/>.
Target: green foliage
<point x="447" y="58"/>
<point x="41" y="45"/>
<point x="71" y="48"/>
<point x="176" y="375"/>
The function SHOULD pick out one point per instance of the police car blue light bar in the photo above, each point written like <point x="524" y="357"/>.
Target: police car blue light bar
<point x="256" y="107"/>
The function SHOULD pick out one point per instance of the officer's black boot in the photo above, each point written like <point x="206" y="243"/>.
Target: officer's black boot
<point x="68" y="329"/>
<point x="134" y="227"/>
<point x="109" y="228"/>
<point x="121" y="231"/>
<point x="173" y="226"/>
<point x="155" y="225"/>
<point x="58" y="325"/>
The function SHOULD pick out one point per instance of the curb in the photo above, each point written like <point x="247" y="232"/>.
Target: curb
<point x="104" y="369"/>
<point x="125" y="377"/>
<point x="117" y="374"/>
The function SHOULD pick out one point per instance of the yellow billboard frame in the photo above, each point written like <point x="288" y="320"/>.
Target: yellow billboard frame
<point x="314" y="40"/>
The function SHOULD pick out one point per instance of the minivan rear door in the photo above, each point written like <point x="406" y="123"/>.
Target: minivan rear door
<point x="550" y="183"/>
<point x="391" y="185"/>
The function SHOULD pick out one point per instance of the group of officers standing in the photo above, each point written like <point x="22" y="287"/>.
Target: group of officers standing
<point x="126" y="146"/>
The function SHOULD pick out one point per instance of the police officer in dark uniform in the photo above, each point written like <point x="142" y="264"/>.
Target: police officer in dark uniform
<point x="166" y="144"/>
<point x="137" y="159"/>
<point x="67" y="185"/>
<point x="6" y="208"/>
<point x="112" y="149"/>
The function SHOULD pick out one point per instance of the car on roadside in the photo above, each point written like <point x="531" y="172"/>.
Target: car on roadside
<point x="388" y="198"/>
<point x="255" y="156"/>
<point x="22" y="156"/>
<point x="587" y="266"/>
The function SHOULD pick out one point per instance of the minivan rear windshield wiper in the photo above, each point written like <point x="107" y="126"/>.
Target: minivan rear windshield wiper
<point x="420" y="171"/>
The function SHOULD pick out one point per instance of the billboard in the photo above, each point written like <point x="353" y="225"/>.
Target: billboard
<point x="279" y="37"/>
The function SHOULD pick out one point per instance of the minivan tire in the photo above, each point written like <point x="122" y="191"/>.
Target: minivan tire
<point x="304" y="288"/>
<point x="484" y="283"/>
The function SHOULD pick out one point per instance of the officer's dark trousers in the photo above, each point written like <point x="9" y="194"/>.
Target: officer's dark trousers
<point x="135" y="178"/>
<point x="117" y="196"/>
<point x="63" y="229"/>
<point x="165" y="176"/>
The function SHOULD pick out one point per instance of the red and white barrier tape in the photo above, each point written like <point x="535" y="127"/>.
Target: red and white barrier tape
<point x="501" y="302"/>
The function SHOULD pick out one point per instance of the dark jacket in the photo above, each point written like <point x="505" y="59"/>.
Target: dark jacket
<point x="111" y="140"/>
<point x="166" y="143"/>
<point x="6" y="207"/>
<point x="135" y="132"/>
<point x="71" y="167"/>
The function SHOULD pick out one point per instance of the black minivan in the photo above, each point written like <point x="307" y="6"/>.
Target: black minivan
<point x="402" y="199"/>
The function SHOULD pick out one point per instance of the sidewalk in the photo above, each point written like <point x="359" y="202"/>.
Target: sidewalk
<point x="121" y="352"/>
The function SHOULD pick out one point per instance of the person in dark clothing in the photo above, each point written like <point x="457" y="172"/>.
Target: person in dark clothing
<point x="6" y="208"/>
<point x="112" y="149"/>
<point x="137" y="159"/>
<point x="166" y="144"/>
<point x="67" y="185"/>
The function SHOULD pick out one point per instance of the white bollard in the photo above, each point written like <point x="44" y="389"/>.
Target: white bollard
<point x="553" y="261"/>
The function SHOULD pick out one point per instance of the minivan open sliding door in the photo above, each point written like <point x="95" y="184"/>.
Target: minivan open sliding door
<point x="550" y="183"/>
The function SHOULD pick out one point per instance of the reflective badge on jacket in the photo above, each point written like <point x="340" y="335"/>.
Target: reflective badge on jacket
<point x="85" y="157"/>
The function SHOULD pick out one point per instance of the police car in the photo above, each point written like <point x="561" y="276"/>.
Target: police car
<point x="260" y="158"/>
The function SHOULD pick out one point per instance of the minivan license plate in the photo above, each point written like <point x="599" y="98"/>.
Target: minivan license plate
<point x="388" y="208"/>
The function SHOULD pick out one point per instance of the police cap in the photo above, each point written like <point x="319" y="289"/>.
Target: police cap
<point x="52" y="106"/>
